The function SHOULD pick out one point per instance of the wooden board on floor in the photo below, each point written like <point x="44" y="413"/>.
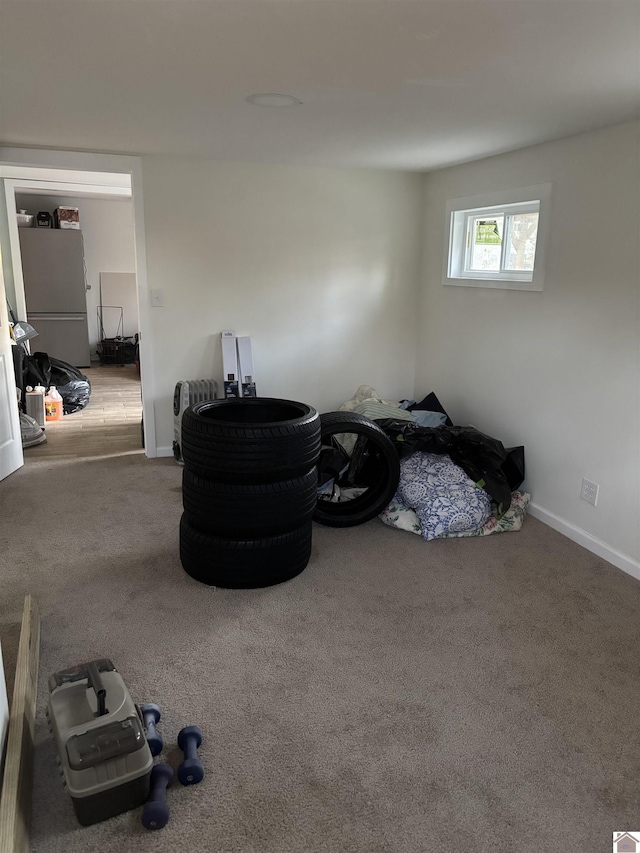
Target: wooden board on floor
<point x="15" y="803"/>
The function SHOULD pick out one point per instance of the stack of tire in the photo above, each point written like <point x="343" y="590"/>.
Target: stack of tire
<point x="249" y="490"/>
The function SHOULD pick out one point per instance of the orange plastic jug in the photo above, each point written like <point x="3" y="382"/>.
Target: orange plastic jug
<point x="53" y="405"/>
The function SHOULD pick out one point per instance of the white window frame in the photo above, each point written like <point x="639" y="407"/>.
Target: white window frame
<point x="460" y="211"/>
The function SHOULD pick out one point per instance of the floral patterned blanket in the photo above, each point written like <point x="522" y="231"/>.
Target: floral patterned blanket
<point x="437" y="500"/>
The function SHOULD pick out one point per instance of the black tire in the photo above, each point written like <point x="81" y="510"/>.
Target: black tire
<point x="244" y="563"/>
<point x="379" y="493"/>
<point x="248" y="509"/>
<point x="251" y="440"/>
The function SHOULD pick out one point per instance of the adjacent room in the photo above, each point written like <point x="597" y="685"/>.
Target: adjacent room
<point x="423" y="216"/>
<point x="89" y="267"/>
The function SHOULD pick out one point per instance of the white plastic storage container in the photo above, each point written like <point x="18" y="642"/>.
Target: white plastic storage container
<point x="103" y="753"/>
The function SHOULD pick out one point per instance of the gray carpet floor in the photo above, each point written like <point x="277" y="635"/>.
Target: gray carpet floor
<point x="398" y="696"/>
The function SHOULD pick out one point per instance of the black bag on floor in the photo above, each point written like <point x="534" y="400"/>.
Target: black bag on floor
<point x="37" y="369"/>
<point x="483" y="458"/>
<point x="72" y="384"/>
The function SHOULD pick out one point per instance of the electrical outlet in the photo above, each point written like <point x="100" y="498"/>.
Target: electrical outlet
<point x="589" y="492"/>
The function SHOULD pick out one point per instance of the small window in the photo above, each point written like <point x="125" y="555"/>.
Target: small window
<point x="497" y="245"/>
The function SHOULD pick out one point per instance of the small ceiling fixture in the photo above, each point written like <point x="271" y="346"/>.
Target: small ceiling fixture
<point x="273" y="99"/>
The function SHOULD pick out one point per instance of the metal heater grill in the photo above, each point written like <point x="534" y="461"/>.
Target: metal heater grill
<point x="188" y="392"/>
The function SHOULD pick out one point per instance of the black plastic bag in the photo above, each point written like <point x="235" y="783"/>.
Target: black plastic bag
<point x="37" y="369"/>
<point x="480" y="456"/>
<point x="75" y="395"/>
<point x="332" y="464"/>
<point x="62" y="372"/>
<point x="513" y="466"/>
<point x="367" y="465"/>
<point x="73" y="386"/>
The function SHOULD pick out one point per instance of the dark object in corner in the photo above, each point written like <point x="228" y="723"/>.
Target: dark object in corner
<point x="481" y="457"/>
<point x="513" y="467"/>
<point x="430" y="404"/>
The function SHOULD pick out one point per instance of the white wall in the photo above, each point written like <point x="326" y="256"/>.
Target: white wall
<point x="557" y="371"/>
<point x="108" y="235"/>
<point x="319" y="266"/>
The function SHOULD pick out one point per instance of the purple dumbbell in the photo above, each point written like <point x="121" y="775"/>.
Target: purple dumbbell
<point x="191" y="770"/>
<point x="151" y="715"/>
<point x="155" y="814"/>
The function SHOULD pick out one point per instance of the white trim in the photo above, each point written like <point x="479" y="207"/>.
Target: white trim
<point x="147" y="363"/>
<point x="455" y="229"/>
<point x="71" y="162"/>
<point x="164" y="451"/>
<point x="14" y="248"/>
<point x="113" y="170"/>
<point x="591" y="543"/>
<point x="105" y="180"/>
<point x="72" y="188"/>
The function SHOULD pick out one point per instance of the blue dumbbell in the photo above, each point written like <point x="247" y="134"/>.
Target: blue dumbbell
<point x="155" y="814"/>
<point x="191" y="770"/>
<point x="151" y="715"/>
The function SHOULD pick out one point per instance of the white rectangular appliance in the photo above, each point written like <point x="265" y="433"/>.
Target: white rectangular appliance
<point x="55" y="292"/>
<point x="186" y="393"/>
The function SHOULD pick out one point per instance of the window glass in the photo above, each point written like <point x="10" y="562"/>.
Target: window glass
<point x="521" y="245"/>
<point x="498" y="239"/>
<point x="486" y="243"/>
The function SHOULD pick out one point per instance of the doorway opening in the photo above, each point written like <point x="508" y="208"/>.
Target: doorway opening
<point x="77" y="287"/>
<point x="112" y="421"/>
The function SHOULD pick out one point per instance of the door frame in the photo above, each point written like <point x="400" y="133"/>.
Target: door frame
<point x="107" y="174"/>
<point x="11" y="452"/>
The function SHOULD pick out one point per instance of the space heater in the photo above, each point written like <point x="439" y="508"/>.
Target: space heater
<point x="188" y="392"/>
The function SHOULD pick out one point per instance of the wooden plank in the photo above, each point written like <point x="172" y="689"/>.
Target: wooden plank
<point x="4" y="706"/>
<point x="15" y="803"/>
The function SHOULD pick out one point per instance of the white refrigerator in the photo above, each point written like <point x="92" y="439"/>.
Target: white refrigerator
<point x="55" y="292"/>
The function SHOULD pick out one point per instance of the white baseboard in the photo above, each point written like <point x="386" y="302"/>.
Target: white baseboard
<point x="164" y="451"/>
<point x="591" y="543"/>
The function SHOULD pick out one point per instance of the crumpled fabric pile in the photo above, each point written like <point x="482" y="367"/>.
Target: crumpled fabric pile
<point x="442" y="496"/>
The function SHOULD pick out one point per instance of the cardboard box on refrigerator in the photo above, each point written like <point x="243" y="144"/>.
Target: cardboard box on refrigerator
<point x="245" y="363"/>
<point x="66" y="217"/>
<point x="230" y="364"/>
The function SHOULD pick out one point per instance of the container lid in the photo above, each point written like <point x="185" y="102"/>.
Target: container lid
<point x="96" y="746"/>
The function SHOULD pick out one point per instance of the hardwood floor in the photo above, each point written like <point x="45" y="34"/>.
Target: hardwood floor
<point x="108" y="425"/>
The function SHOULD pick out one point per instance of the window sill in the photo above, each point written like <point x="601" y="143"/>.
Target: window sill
<point x="501" y="283"/>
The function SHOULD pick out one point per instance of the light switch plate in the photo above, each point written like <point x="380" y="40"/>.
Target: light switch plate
<point x="157" y="298"/>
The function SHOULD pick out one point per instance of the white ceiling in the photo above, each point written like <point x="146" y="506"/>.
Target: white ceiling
<point x="384" y="83"/>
